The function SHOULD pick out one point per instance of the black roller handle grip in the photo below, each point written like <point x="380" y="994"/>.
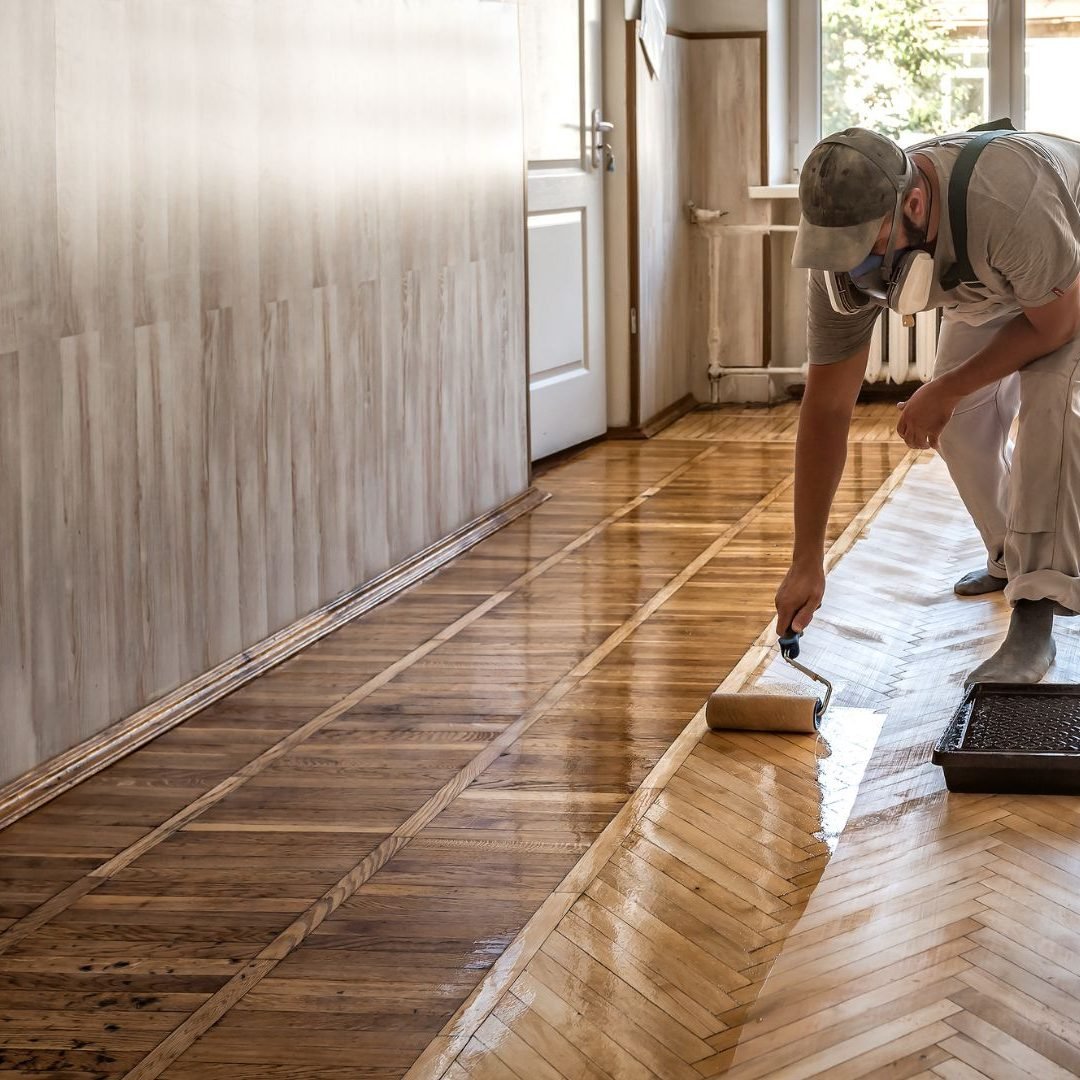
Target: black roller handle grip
<point x="789" y="644"/>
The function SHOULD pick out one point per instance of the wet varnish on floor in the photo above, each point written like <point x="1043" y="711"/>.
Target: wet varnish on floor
<point x="310" y="878"/>
<point x="940" y="940"/>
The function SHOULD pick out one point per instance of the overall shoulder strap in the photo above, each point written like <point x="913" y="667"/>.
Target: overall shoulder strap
<point x="1003" y="123"/>
<point x="961" y="273"/>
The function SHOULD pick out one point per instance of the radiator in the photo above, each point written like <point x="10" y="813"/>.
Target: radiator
<point x="899" y="353"/>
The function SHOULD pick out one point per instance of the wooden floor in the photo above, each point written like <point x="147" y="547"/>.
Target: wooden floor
<point x="944" y="937"/>
<point x="941" y="940"/>
<point x="352" y="863"/>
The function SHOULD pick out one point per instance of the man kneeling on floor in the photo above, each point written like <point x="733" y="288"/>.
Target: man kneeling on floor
<point x="986" y="226"/>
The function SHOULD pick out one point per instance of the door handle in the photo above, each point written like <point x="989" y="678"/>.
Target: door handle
<point x="600" y="127"/>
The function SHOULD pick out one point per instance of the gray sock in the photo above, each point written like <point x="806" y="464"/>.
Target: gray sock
<point x="1028" y="649"/>
<point x="979" y="583"/>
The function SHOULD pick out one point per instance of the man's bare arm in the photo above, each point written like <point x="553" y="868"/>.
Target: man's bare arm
<point x="1037" y="332"/>
<point x="820" y="454"/>
<point x="1034" y="333"/>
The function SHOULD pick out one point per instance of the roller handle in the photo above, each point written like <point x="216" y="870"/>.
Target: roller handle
<point x="789" y="644"/>
<point x="789" y="650"/>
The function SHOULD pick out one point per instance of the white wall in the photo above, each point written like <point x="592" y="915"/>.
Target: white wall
<point x="702" y="16"/>
<point x="778" y="120"/>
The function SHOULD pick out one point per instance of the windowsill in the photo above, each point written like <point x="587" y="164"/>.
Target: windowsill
<point x="775" y="191"/>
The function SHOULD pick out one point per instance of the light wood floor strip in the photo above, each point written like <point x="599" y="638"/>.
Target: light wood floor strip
<point x="57" y="904"/>
<point x="442" y="1051"/>
<point x="226" y="998"/>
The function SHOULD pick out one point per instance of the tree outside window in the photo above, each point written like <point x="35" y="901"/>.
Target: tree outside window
<point x="909" y="69"/>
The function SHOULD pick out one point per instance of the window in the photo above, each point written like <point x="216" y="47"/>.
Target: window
<point x="916" y="68"/>
<point x="1052" y="59"/>
<point x="906" y="68"/>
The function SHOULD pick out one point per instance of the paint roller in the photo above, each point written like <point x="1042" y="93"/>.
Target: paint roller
<point x="779" y="710"/>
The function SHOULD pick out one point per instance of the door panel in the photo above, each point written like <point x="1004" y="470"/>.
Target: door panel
<point x="551" y="67"/>
<point x="557" y="244"/>
<point x="561" y="80"/>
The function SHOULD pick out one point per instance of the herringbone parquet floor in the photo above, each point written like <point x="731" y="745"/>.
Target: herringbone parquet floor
<point x="760" y="920"/>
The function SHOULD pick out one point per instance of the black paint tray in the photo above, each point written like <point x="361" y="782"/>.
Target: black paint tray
<point x="1013" y="738"/>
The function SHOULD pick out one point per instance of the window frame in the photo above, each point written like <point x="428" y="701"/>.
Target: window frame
<point x="1006" y="23"/>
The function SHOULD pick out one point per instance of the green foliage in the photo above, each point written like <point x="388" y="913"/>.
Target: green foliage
<point x="883" y="66"/>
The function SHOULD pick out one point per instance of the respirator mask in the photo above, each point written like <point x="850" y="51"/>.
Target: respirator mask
<point x="898" y="280"/>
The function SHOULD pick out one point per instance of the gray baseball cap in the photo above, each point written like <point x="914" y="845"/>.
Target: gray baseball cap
<point x="849" y="183"/>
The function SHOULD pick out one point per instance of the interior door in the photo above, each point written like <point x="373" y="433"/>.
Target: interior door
<point x="561" y="79"/>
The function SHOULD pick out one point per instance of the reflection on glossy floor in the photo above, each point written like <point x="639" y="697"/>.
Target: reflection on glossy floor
<point x="307" y="880"/>
<point x="666" y="932"/>
<point x="871" y="423"/>
<point x="942" y="940"/>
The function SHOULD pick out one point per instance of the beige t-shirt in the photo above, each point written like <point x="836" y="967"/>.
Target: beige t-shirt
<point x="1023" y="239"/>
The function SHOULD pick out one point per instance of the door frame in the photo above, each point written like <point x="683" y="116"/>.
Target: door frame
<point x="644" y="427"/>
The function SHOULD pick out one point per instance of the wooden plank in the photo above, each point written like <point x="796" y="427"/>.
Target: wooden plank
<point x="298" y="842"/>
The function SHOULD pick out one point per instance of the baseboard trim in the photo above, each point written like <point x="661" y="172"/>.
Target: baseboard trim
<point x="664" y="418"/>
<point x="61" y="773"/>
<point x="561" y="457"/>
<point x="625" y="433"/>
<point x="667" y="417"/>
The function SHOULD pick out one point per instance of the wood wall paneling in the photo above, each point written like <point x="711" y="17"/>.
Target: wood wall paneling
<point x="699" y="131"/>
<point x="727" y="100"/>
<point x="261" y="326"/>
<point x="59" y="773"/>
<point x="664" y="238"/>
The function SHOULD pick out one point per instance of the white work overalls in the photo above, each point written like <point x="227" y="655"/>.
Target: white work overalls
<point x="1024" y="499"/>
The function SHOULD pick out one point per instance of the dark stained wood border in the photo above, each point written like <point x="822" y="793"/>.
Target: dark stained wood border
<point x="59" y="774"/>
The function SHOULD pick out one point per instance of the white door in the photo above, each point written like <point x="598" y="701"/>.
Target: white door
<point x="561" y="78"/>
